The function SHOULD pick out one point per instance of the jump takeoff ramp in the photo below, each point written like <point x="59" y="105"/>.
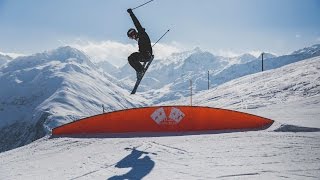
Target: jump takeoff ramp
<point x="164" y="119"/>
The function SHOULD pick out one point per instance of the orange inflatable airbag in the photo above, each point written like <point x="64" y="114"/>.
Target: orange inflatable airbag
<point x="164" y="119"/>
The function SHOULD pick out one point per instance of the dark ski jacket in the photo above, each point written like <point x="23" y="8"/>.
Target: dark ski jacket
<point x="144" y="41"/>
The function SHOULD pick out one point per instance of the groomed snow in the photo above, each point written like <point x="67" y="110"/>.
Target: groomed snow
<point x="248" y="155"/>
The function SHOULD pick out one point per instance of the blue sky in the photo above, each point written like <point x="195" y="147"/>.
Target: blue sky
<point x="219" y="26"/>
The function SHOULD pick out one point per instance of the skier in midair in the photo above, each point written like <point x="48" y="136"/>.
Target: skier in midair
<point x="145" y="48"/>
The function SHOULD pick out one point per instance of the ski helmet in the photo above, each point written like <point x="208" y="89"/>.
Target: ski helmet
<point x="131" y="32"/>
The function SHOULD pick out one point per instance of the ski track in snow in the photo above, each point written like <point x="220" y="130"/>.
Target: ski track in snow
<point x="257" y="154"/>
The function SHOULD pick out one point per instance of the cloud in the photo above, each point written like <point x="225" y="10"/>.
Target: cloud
<point x="318" y="39"/>
<point x="256" y="53"/>
<point x="230" y="53"/>
<point x="117" y="53"/>
<point x="298" y="36"/>
<point x="226" y="53"/>
<point x="13" y="55"/>
<point x="114" y="52"/>
<point x="162" y="51"/>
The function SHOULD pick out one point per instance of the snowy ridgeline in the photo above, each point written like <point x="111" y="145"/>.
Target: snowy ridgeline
<point x="223" y="70"/>
<point x="49" y="89"/>
<point x="45" y="90"/>
<point x="175" y="72"/>
<point x="4" y="59"/>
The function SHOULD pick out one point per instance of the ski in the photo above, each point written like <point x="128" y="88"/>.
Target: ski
<point x="144" y="71"/>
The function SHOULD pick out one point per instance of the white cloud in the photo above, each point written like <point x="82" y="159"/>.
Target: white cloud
<point x="298" y="35"/>
<point x="13" y="55"/>
<point x="230" y="53"/>
<point x="114" y="52"/>
<point x="226" y="53"/>
<point x="256" y="53"/>
<point x="117" y="53"/>
<point x="162" y="51"/>
<point x="318" y="39"/>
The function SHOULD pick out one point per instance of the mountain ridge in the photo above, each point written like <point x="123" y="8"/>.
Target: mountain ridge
<point x="45" y="90"/>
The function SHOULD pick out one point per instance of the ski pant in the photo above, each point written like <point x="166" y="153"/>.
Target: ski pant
<point x="135" y="59"/>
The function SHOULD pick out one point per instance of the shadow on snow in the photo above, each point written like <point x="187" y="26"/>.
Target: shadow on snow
<point x="139" y="162"/>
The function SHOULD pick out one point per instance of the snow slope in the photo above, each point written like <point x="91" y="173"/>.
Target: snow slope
<point x="289" y="149"/>
<point x="244" y="155"/>
<point x="180" y="86"/>
<point x="45" y="90"/>
<point x="289" y="87"/>
<point x="107" y="67"/>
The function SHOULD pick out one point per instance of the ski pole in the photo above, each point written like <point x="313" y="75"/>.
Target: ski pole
<point x="142" y="4"/>
<point x="161" y="37"/>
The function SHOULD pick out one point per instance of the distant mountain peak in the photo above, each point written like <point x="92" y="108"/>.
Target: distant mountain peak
<point x="67" y="52"/>
<point x="64" y="54"/>
<point x="267" y="55"/>
<point x="4" y="59"/>
<point x="244" y="58"/>
<point x="5" y="56"/>
<point x="197" y="49"/>
<point x="247" y="55"/>
<point x="66" y="49"/>
<point x="312" y="50"/>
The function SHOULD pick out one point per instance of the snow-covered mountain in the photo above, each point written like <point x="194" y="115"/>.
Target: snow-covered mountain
<point x="180" y="85"/>
<point x="107" y="67"/>
<point x="295" y="86"/>
<point x="48" y="89"/>
<point x="169" y="78"/>
<point x="309" y="51"/>
<point x="175" y="71"/>
<point x="4" y="59"/>
<point x="239" y="70"/>
<point x="267" y="56"/>
<point x="178" y="65"/>
<point x="244" y="58"/>
<point x="290" y="95"/>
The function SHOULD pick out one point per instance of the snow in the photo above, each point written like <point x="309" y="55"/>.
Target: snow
<point x="4" y="59"/>
<point x="175" y="72"/>
<point x="72" y="87"/>
<point x="176" y="76"/>
<point x="272" y="93"/>
<point x="248" y="155"/>
<point x="53" y="88"/>
<point x="309" y="50"/>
